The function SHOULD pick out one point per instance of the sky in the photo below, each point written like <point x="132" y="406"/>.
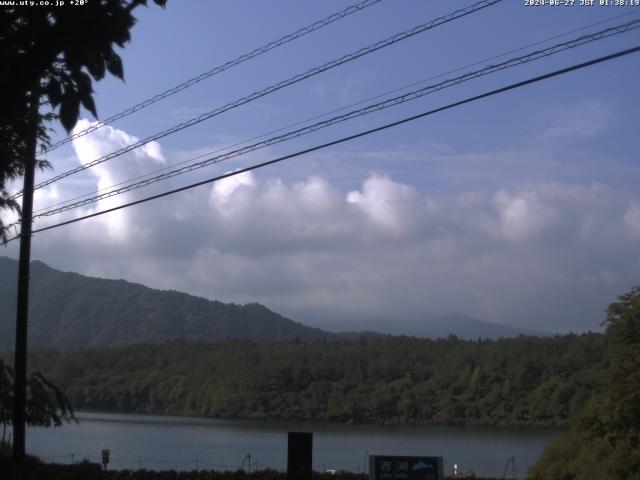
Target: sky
<point x="521" y="209"/>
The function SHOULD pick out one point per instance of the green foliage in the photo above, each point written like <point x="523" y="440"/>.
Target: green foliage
<point x="46" y="404"/>
<point x="604" y="439"/>
<point x="521" y="381"/>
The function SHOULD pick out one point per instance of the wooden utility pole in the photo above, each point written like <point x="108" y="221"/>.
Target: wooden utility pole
<point x="22" y="310"/>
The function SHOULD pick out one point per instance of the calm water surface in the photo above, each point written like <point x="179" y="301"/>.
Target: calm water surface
<point x="184" y="443"/>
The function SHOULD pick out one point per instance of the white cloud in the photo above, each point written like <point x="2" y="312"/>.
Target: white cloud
<point x="223" y="190"/>
<point x="387" y="203"/>
<point x="130" y="165"/>
<point x="542" y="255"/>
<point x="522" y="215"/>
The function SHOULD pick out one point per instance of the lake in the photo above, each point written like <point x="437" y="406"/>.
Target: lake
<point x="185" y="443"/>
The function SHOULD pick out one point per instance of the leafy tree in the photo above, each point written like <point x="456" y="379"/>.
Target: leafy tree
<point x="46" y="404"/>
<point x="604" y="440"/>
<point x="49" y="56"/>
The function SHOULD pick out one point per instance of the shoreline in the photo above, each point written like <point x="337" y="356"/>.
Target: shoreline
<point x="165" y="418"/>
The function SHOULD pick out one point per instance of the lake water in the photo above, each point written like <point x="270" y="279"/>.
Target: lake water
<point x="184" y="443"/>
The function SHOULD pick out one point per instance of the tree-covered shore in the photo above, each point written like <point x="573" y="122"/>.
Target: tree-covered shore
<point x="400" y="380"/>
<point x="603" y="439"/>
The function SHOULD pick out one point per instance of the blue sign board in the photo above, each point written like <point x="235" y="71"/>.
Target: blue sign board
<point x="387" y="467"/>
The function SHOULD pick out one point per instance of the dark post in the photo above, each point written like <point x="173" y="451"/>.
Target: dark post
<point x="105" y="459"/>
<point x="299" y="459"/>
<point x="22" y="313"/>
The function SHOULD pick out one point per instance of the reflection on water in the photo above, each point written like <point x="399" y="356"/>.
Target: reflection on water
<point x="185" y="443"/>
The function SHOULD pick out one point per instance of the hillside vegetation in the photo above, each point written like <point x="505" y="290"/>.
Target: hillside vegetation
<point x="603" y="440"/>
<point x="521" y="381"/>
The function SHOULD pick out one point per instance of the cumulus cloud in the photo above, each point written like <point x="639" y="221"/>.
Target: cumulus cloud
<point x="390" y="205"/>
<point x="522" y="214"/>
<point x="223" y="190"/>
<point x="130" y="165"/>
<point x="540" y="255"/>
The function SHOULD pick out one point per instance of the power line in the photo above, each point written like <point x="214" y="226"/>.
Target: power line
<point x="352" y="137"/>
<point x="220" y="68"/>
<point x="315" y="117"/>
<point x="278" y="86"/>
<point x="398" y="100"/>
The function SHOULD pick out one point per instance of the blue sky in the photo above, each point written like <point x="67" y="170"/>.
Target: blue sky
<point x="183" y="41"/>
<point x="521" y="209"/>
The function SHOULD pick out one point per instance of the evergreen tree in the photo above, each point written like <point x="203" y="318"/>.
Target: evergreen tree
<point x="604" y="440"/>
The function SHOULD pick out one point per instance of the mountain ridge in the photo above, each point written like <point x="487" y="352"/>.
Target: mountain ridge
<point x="70" y="310"/>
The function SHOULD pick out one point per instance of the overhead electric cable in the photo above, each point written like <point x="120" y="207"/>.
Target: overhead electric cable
<point x="278" y="86"/>
<point x="219" y="69"/>
<point x="413" y="95"/>
<point x="512" y="86"/>
<point x="325" y="114"/>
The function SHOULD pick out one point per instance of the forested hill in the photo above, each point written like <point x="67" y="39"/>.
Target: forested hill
<point x="521" y="381"/>
<point x="68" y="310"/>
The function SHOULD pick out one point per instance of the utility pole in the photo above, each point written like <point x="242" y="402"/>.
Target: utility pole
<point x="22" y="310"/>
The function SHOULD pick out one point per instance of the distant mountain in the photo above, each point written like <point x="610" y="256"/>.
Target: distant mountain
<point x="462" y="326"/>
<point x="427" y="326"/>
<point x="68" y="310"/>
